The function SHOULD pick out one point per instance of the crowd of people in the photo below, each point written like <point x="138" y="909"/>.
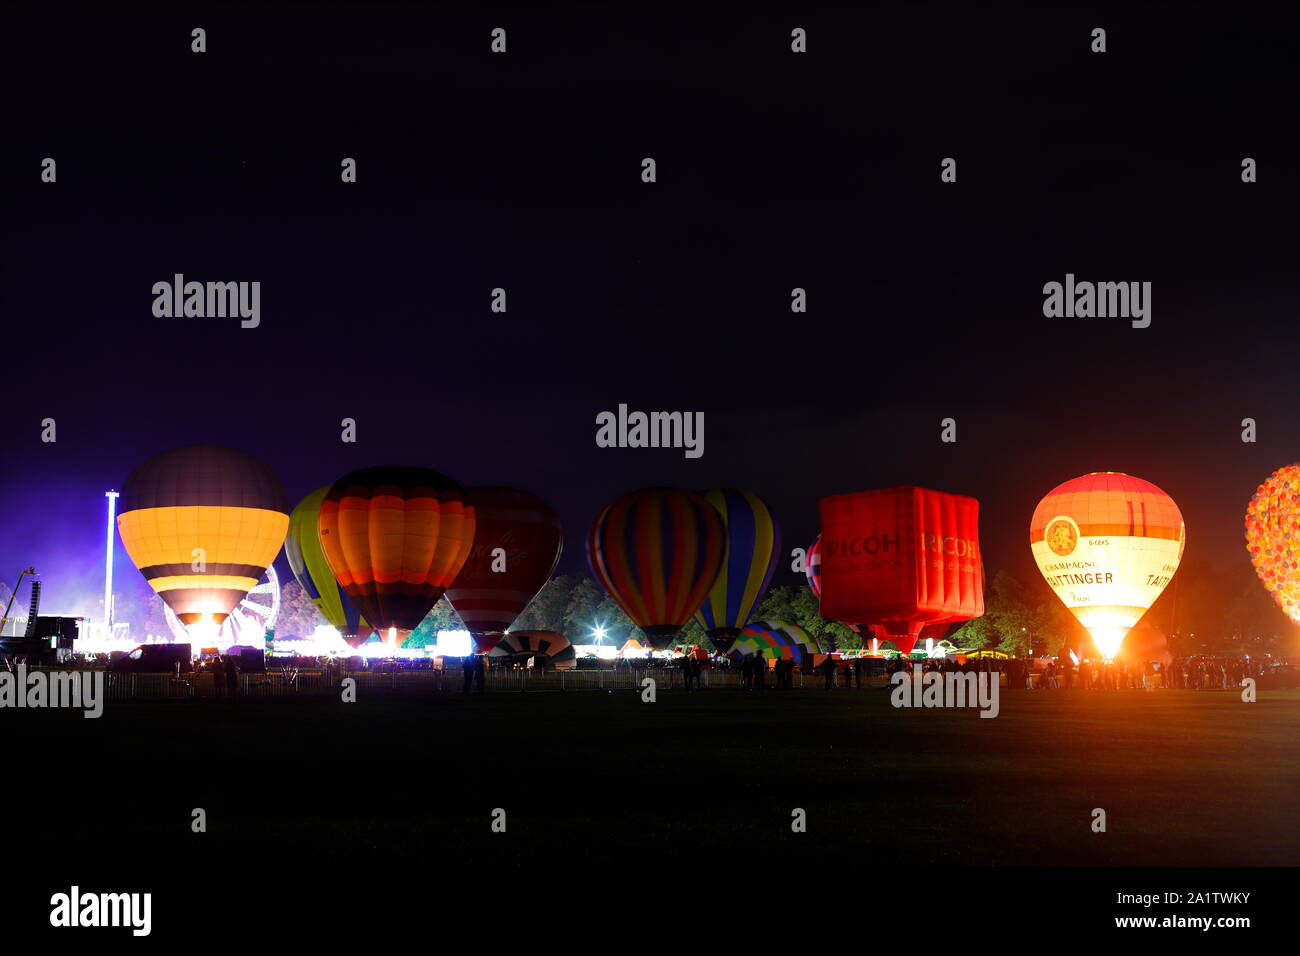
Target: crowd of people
<point x="1185" y="673"/>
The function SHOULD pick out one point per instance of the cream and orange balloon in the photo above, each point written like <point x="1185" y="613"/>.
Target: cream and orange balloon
<point x="1108" y="544"/>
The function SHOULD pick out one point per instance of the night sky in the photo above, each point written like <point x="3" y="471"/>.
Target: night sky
<point x="775" y="170"/>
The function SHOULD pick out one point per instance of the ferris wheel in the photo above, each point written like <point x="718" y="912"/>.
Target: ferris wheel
<point x="248" y="622"/>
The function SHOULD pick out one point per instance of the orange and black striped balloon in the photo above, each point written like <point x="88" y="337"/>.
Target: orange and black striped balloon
<point x="202" y="524"/>
<point x="657" y="552"/>
<point x="395" y="538"/>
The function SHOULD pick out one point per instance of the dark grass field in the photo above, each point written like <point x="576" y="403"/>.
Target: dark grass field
<point x="315" y="805"/>
<point x="1186" y="778"/>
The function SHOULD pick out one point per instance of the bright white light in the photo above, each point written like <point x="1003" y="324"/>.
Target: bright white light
<point x="599" y="632"/>
<point x="1108" y="638"/>
<point x="204" y="632"/>
<point x="383" y="651"/>
<point x="112" y="497"/>
<point x="324" y="641"/>
<point x="452" y="644"/>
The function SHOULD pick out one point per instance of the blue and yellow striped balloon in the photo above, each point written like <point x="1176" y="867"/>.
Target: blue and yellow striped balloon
<point x="753" y="545"/>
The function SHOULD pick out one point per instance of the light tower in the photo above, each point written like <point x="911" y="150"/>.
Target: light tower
<point x="112" y="497"/>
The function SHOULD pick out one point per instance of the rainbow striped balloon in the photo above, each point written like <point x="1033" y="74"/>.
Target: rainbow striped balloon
<point x="776" y="639"/>
<point x="753" y="545"/>
<point x="657" y="552"/>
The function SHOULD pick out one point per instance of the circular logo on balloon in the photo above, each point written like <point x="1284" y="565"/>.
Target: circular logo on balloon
<point x="1062" y="536"/>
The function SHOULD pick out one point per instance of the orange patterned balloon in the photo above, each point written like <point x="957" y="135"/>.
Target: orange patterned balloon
<point x="395" y="539"/>
<point x="1273" y="537"/>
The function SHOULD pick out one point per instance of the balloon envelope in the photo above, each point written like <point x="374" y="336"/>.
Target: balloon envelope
<point x="753" y="543"/>
<point x="517" y="544"/>
<point x="1107" y="543"/>
<point x="395" y="538"/>
<point x="1273" y="537"/>
<point x="776" y="639"/>
<point x="901" y="558"/>
<point x="552" y="645"/>
<point x="202" y="524"/>
<point x="657" y="552"/>
<point x="307" y="561"/>
<point x="812" y="567"/>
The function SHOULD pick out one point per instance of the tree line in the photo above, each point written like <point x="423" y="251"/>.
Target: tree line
<point x="1204" y="610"/>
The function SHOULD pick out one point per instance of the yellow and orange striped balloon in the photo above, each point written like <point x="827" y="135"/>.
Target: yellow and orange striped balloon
<point x="202" y="524"/>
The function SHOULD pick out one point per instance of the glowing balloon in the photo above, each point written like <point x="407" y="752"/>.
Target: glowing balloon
<point x="202" y="524"/>
<point x="753" y="545"/>
<point x="1107" y="543"/>
<point x="307" y="561"/>
<point x="1273" y="537"/>
<point x="517" y="544"/>
<point x="395" y="538"/>
<point x="657" y="552"/>
<point x="901" y="558"/>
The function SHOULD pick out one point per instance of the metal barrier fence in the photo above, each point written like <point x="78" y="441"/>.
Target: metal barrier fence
<point x="127" y="686"/>
<point x="124" y="686"/>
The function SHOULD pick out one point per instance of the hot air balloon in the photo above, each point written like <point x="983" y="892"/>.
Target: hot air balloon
<point x="753" y="545"/>
<point x="812" y="567"/>
<point x="901" y="558"/>
<point x="657" y="552"/>
<point x="551" y="645"/>
<point x="395" y="538"/>
<point x="307" y="560"/>
<point x="1107" y="543"/>
<point x="202" y="524"/>
<point x="517" y="544"/>
<point x="1273" y="537"/>
<point x="776" y="639"/>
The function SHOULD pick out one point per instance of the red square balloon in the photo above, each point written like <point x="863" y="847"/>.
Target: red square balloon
<point x="901" y="557"/>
